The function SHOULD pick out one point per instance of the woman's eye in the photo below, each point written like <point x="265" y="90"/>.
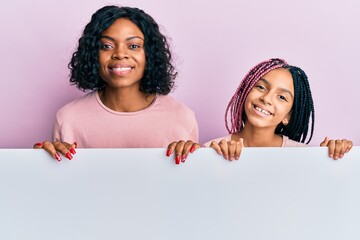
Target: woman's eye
<point x="106" y="46"/>
<point x="134" y="46"/>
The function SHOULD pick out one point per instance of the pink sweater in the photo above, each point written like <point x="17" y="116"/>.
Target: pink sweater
<point x="91" y="124"/>
<point x="286" y="142"/>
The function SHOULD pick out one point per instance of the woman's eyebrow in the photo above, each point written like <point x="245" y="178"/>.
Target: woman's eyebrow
<point x="127" y="39"/>
<point x="130" y="38"/>
<point x="107" y="37"/>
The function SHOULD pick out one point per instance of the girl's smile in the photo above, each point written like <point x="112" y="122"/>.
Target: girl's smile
<point x="261" y="111"/>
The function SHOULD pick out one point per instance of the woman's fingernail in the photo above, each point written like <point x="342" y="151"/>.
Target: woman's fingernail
<point x="57" y="157"/>
<point x="68" y="155"/>
<point x="177" y="159"/>
<point x="168" y="153"/>
<point x="184" y="158"/>
<point x="72" y="150"/>
<point x="192" y="149"/>
<point x="39" y="144"/>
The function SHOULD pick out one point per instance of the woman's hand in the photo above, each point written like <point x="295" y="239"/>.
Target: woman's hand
<point x="182" y="150"/>
<point x="337" y="148"/>
<point x="231" y="150"/>
<point x="66" y="149"/>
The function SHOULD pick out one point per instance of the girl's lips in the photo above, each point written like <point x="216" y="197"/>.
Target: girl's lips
<point x="262" y="111"/>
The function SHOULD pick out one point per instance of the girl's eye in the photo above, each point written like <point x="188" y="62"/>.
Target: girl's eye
<point x="282" y="98"/>
<point x="261" y="87"/>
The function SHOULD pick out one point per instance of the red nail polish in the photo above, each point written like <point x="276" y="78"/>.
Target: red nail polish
<point x="39" y="144"/>
<point x="192" y="149"/>
<point x="168" y="153"/>
<point x="57" y="157"/>
<point x="72" y="150"/>
<point x="184" y="158"/>
<point x="177" y="159"/>
<point x="68" y="155"/>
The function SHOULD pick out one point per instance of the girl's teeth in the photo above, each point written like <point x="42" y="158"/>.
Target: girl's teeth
<point x="262" y="110"/>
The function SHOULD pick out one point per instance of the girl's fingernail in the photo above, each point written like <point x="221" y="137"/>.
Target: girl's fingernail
<point x="39" y="144"/>
<point x="68" y="155"/>
<point x="192" y="149"/>
<point x="72" y="150"/>
<point x="57" y="157"/>
<point x="168" y="153"/>
<point x="177" y="159"/>
<point x="184" y="158"/>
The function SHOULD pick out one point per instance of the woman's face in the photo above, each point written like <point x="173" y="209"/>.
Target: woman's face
<point x="122" y="55"/>
<point x="270" y="101"/>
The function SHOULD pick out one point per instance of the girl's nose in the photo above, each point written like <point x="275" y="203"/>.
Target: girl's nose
<point x="266" y="99"/>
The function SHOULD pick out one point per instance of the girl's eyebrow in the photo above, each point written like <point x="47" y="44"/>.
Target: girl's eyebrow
<point x="283" y="89"/>
<point x="127" y="39"/>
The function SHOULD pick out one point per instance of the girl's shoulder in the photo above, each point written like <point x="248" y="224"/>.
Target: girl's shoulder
<point x="287" y="142"/>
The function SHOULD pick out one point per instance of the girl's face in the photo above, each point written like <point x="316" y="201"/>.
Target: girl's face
<point x="122" y="55"/>
<point x="270" y="101"/>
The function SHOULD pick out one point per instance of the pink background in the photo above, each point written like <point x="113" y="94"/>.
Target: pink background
<point x="215" y="44"/>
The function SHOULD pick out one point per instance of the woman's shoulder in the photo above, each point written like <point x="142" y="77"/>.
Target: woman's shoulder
<point x="172" y="104"/>
<point x="287" y="142"/>
<point x="83" y="102"/>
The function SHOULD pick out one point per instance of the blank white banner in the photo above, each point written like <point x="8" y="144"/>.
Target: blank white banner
<point x="270" y="193"/>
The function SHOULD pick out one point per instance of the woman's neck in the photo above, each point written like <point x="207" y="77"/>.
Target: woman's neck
<point x="259" y="137"/>
<point x="125" y="100"/>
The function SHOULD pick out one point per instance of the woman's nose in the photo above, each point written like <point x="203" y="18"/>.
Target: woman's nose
<point x="120" y="52"/>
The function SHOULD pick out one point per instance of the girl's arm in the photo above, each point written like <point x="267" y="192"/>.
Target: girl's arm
<point x="230" y="150"/>
<point x="337" y="148"/>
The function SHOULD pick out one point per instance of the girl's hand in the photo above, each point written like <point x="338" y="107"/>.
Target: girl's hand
<point x="231" y="150"/>
<point x="337" y="148"/>
<point x="181" y="149"/>
<point x="66" y="149"/>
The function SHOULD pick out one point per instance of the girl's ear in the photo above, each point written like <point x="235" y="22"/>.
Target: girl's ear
<point x="286" y="119"/>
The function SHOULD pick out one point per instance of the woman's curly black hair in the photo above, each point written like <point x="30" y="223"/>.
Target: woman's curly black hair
<point x="159" y="72"/>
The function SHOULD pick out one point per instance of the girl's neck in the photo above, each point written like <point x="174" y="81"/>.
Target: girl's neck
<point x="258" y="137"/>
<point x="125" y="100"/>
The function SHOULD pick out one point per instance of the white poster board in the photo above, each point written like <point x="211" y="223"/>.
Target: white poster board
<point x="270" y="193"/>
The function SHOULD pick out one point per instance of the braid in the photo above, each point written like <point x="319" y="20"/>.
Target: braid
<point x="302" y="110"/>
<point x="234" y="111"/>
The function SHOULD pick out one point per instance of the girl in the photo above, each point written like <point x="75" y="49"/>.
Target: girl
<point x="272" y="107"/>
<point x="125" y="61"/>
